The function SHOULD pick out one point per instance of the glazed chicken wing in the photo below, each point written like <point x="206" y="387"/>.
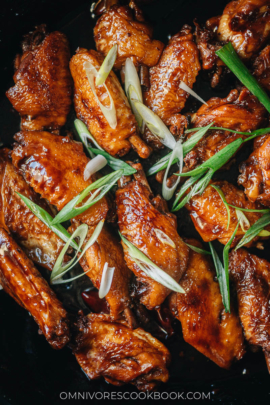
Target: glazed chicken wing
<point x="131" y="34"/>
<point x="139" y="217"/>
<point x="251" y="277"/>
<point x="255" y="173"/>
<point x="39" y="242"/>
<point x="205" y="324"/>
<point x="121" y="355"/>
<point x="239" y="111"/>
<point x="262" y="68"/>
<point x="210" y="217"/>
<point x="54" y="167"/>
<point x="118" y="140"/>
<point x="43" y="84"/>
<point x="179" y="62"/>
<point x="23" y="282"/>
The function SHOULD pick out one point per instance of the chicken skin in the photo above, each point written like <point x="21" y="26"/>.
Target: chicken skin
<point x="251" y="277"/>
<point x="262" y="68"/>
<point x="239" y="111"/>
<point x="20" y="279"/>
<point x="118" y="140"/>
<point x="139" y="216"/>
<point x="209" y="214"/>
<point x="43" y="84"/>
<point x="255" y="173"/>
<point x="54" y="167"/>
<point x="121" y="355"/>
<point x="205" y="324"/>
<point x="179" y="62"/>
<point x="39" y="242"/>
<point x="127" y="28"/>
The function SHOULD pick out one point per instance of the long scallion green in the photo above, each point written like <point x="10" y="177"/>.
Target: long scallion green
<point x="254" y="230"/>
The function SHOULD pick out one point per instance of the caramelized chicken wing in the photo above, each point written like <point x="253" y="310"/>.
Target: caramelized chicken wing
<point x="179" y="62"/>
<point x="121" y="355"/>
<point x="251" y="277"/>
<point x="43" y="84"/>
<point x="20" y="279"/>
<point x="39" y="242"/>
<point x="246" y="24"/>
<point x="118" y="140"/>
<point x="139" y="216"/>
<point x="205" y="324"/>
<point x="210" y="217"/>
<point x="54" y="167"/>
<point x="262" y="68"/>
<point x="255" y="173"/>
<point x="239" y="111"/>
<point x="131" y="34"/>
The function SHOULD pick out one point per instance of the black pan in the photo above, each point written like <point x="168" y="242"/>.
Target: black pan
<point x="30" y="371"/>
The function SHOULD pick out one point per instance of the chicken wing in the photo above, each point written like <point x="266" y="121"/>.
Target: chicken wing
<point x="239" y="111"/>
<point x="205" y="324"/>
<point x="261" y="68"/>
<point x="43" y="84"/>
<point x="179" y="62"/>
<point x="139" y="217"/>
<point x="54" y="167"/>
<point x="255" y="173"/>
<point x="251" y="277"/>
<point x="20" y="279"/>
<point x="40" y="243"/>
<point x="116" y="141"/>
<point x="210" y="217"/>
<point x="121" y="355"/>
<point x="132" y="35"/>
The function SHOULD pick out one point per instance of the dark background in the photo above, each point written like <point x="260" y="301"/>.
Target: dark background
<point x="30" y="371"/>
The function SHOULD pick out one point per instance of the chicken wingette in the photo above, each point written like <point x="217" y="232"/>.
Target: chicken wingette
<point x="43" y="85"/>
<point x="21" y="280"/>
<point x="109" y="349"/>
<point x="205" y="324"/>
<point x="140" y="217"/>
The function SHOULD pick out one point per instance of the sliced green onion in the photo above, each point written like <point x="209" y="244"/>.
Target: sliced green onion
<point x="81" y="232"/>
<point x="155" y="125"/>
<point x="244" y="222"/>
<point x="198" y="250"/>
<point x="264" y="233"/>
<point x="222" y="279"/>
<point x="93" y="166"/>
<point x="116" y="164"/>
<point x="254" y="230"/>
<point x="1" y="288"/>
<point x="108" y="112"/>
<point x="106" y="280"/>
<point x="47" y="219"/>
<point x="84" y="134"/>
<point x="183" y="190"/>
<point x="132" y="96"/>
<point x="133" y="90"/>
<point x="106" y="66"/>
<point x="222" y="196"/>
<point x="263" y="211"/>
<point x="150" y="268"/>
<point x="229" y="56"/>
<point x="164" y="238"/>
<point x="257" y="132"/>
<point x="184" y="87"/>
<point x="101" y="186"/>
<point x="167" y="192"/>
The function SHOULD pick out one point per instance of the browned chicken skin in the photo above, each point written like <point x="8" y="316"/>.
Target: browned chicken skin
<point x="43" y="84"/>
<point x="179" y="62"/>
<point x="205" y="324"/>
<point x="40" y="243"/>
<point x="116" y="141"/>
<point x="239" y="111"/>
<point x="255" y="173"/>
<point x="262" y="68"/>
<point x="121" y="355"/>
<point x="139" y="214"/>
<point x="251" y="276"/>
<point x="210" y="217"/>
<point x="60" y="164"/>
<point x="131" y="34"/>
<point x="23" y="282"/>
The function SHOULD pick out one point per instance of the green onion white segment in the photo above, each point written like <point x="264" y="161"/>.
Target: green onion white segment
<point x="185" y="87"/>
<point x="133" y="90"/>
<point x="106" y="66"/>
<point x="93" y="166"/>
<point x="167" y="192"/>
<point x="106" y="280"/>
<point x="150" y="268"/>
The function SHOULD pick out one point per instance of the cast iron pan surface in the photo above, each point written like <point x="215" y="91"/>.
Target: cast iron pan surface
<point x="30" y="371"/>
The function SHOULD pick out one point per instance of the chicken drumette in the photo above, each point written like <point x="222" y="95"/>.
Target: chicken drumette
<point x="140" y="217"/>
<point x="43" y="84"/>
<point x="205" y="324"/>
